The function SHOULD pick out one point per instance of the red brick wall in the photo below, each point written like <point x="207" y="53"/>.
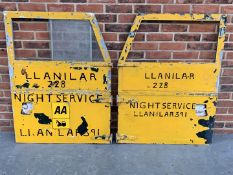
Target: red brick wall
<point x="177" y="41"/>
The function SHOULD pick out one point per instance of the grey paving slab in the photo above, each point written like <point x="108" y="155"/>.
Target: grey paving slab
<point x="87" y="159"/>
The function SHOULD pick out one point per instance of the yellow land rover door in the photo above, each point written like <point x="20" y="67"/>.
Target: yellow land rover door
<point x="67" y="98"/>
<point x="168" y="102"/>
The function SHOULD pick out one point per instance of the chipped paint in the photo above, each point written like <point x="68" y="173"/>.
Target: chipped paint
<point x="222" y="31"/>
<point x="224" y="19"/>
<point x="206" y="135"/>
<point x="201" y="110"/>
<point x="11" y="74"/>
<point x="27" y="108"/>
<point x="95" y="69"/>
<point x="207" y="123"/>
<point x="103" y="137"/>
<point x="8" y="40"/>
<point x="208" y="17"/>
<point x="123" y="137"/>
<point x="132" y="34"/>
<point x="109" y="78"/>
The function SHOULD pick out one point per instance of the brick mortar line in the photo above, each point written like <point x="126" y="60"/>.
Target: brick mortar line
<point x="146" y="2"/>
<point x="117" y="3"/>
<point x="168" y="41"/>
<point x="161" y="32"/>
<point x="225" y="114"/>
<point x="33" y="40"/>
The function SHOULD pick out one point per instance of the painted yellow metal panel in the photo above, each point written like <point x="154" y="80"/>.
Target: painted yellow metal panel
<point x="60" y="101"/>
<point x="168" y="77"/>
<point x="60" y="75"/>
<point x="88" y="120"/>
<point x="168" y="103"/>
<point x="165" y="119"/>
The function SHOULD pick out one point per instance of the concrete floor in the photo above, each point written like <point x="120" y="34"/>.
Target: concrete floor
<point x="69" y="159"/>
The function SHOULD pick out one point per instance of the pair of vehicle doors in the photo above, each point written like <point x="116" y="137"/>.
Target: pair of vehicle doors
<point x="68" y="100"/>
